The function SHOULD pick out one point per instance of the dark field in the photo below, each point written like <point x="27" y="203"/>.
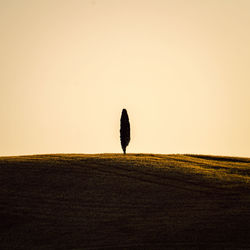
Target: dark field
<point x="112" y="201"/>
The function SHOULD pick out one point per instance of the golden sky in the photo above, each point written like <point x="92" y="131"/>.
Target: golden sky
<point x="181" y="68"/>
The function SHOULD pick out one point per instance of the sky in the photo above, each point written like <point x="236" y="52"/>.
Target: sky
<point x="181" y="68"/>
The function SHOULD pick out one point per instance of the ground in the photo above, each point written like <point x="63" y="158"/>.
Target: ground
<point x="133" y="201"/>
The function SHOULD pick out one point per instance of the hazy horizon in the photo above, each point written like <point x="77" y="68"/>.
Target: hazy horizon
<point x="180" y="68"/>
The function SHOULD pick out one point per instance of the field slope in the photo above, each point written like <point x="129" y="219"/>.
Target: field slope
<point x="112" y="201"/>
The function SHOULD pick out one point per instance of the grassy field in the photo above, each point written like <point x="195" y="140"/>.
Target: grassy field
<point x="133" y="201"/>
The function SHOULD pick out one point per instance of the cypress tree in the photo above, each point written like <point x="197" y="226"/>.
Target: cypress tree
<point x="124" y="130"/>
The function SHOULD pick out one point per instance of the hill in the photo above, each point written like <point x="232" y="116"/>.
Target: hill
<point x="133" y="201"/>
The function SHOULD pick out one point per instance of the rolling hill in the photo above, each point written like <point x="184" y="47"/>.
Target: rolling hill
<point x="133" y="201"/>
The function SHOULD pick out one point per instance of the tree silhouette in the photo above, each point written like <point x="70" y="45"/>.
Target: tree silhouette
<point x="124" y="130"/>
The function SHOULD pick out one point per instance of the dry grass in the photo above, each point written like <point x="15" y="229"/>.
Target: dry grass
<point x="112" y="201"/>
